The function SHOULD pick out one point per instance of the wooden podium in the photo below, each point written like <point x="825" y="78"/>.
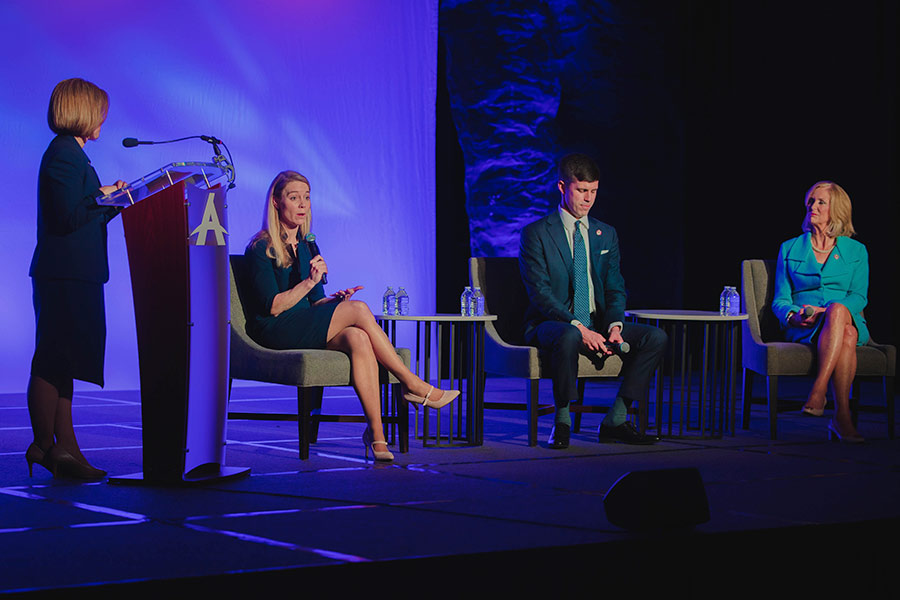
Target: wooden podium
<point x="175" y="223"/>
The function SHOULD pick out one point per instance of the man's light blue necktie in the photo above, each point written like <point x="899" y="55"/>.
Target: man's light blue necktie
<point x="581" y="305"/>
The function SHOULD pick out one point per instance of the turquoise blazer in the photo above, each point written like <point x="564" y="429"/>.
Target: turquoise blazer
<point x="799" y="280"/>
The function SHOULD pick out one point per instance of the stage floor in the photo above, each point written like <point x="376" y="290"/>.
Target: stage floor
<point x="446" y="514"/>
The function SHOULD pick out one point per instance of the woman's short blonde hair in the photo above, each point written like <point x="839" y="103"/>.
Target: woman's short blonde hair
<point x="77" y="107"/>
<point x="839" y="209"/>
<point x="273" y="233"/>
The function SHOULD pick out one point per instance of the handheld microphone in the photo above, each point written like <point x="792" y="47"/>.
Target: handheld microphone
<point x="807" y="312"/>
<point x="314" y="251"/>
<point x="619" y="347"/>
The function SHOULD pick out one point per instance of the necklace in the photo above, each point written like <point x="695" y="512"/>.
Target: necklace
<point x="817" y="249"/>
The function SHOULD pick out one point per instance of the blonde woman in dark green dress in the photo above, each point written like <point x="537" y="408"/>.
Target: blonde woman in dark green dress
<point x="288" y="308"/>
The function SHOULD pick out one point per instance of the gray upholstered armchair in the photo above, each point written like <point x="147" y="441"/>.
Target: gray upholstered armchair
<point x="765" y="352"/>
<point x="505" y="353"/>
<point x="309" y="370"/>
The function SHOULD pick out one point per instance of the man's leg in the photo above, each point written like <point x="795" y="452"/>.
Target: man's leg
<point x="648" y="344"/>
<point x="559" y="344"/>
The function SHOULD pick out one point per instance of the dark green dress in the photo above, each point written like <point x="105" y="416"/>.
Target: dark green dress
<point x="302" y="325"/>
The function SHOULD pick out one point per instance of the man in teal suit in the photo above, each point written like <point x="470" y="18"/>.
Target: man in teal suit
<point x="570" y="267"/>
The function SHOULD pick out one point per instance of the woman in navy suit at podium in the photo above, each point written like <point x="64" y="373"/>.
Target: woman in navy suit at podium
<point x="68" y="270"/>
<point x="288" y="308"/>
<point x="821" y="284"/>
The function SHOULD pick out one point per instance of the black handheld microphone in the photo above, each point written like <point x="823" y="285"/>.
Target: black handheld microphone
<point x="807" y="312"/>
<point x="314" y="251"/>
<point x="619" y="347"/>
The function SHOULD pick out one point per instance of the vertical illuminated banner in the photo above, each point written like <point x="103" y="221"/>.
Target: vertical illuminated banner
<point x="210" y="328"/>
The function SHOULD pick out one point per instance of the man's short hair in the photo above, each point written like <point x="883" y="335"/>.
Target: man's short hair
<point x="578" y="167"/>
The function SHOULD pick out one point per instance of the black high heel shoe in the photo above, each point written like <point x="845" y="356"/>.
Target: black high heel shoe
<point x="62" y="464"/>
<point x="35" y="454"/>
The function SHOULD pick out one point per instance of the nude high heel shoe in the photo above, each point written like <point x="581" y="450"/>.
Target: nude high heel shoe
<point x="368" y="439"/>
<point x="836" y="436"/>
<point x="448" y="397"/>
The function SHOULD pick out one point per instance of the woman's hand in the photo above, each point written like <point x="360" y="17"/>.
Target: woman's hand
<point x="109" y="189"/>
<point x="799" y="320"/>
<point x="317" y="268"/>
<point x="341" y="295"/>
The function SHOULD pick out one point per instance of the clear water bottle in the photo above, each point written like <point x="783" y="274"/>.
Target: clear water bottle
<point x="734" y="302"/>
<point x="388" y="302"/>
<point x="729" y="301"/>
<point x="465" y="302"/>
<point x="477" y="303"/>
<point x="402" y="302"/>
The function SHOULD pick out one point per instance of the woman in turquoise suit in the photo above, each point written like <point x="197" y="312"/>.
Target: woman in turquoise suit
<point x="288" y="308"/>
<point x="821" y="282"/>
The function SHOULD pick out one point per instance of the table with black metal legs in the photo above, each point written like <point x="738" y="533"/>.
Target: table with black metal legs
<point x="717" y="376"/>
<point x="465" y="366"/>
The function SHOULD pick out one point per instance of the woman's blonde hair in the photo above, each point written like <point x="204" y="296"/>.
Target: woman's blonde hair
<point x="273" y="233"/>
<point x="839" y="209"/>
<point x="77" y="107"/>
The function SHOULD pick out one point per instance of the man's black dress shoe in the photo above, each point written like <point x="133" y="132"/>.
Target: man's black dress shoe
<point x="559" y="437"/>
<point x="625" y="433"/>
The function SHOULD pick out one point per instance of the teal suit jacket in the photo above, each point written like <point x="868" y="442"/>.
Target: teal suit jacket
<point x="545" y="262"/>
<point x="799" y="280"/>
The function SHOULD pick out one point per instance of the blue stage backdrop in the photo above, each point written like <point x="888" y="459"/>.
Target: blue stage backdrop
<point x="342" y="91"/>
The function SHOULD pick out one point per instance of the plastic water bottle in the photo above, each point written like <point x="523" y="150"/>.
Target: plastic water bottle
<point x="465" y="302"/>
<point x="729" y="301"/>
<point x="402" y="302"/>
<point x="734" y="302"/>
<point x="477" y="303"/>
<point x="388" y="302"/>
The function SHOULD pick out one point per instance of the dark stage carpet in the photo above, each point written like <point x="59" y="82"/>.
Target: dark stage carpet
<point x="798" y="512"/>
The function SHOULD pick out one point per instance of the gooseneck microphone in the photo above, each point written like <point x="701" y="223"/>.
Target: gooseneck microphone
<point x="225" y="164"/>
<point x="314" y="251"/>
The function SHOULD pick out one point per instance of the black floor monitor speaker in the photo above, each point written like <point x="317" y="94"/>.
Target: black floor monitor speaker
<point x="657" y="499"/>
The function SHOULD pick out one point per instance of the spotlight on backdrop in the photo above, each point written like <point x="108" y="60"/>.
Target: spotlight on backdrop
<point x="657" y="499"/>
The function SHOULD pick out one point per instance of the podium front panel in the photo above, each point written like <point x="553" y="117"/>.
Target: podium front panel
<point x="210" y="329"/>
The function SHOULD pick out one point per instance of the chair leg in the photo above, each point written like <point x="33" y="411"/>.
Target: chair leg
<point x="315" y="409"/>
<point x="889" y="402"/>
<point x="576" y="414"/>
<point x="303" y="418"/>
<point x="402" y="419"/>
<point x="854" y="401"/>
<point x="746" y="398"/>
<point x="532" y="406"/>
<point x="772" y="396"/>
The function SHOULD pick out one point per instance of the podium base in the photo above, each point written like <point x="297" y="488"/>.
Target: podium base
<point x="196" y="477"/>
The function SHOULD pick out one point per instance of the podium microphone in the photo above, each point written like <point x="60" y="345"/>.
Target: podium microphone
<point x="223" y="163"/>
<point x="132" y="142"/>
<point x="314" y="251"/>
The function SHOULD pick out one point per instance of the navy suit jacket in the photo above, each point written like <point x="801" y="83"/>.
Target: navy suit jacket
<point x="71" y="227"/>
<point x="545" y="262"/>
